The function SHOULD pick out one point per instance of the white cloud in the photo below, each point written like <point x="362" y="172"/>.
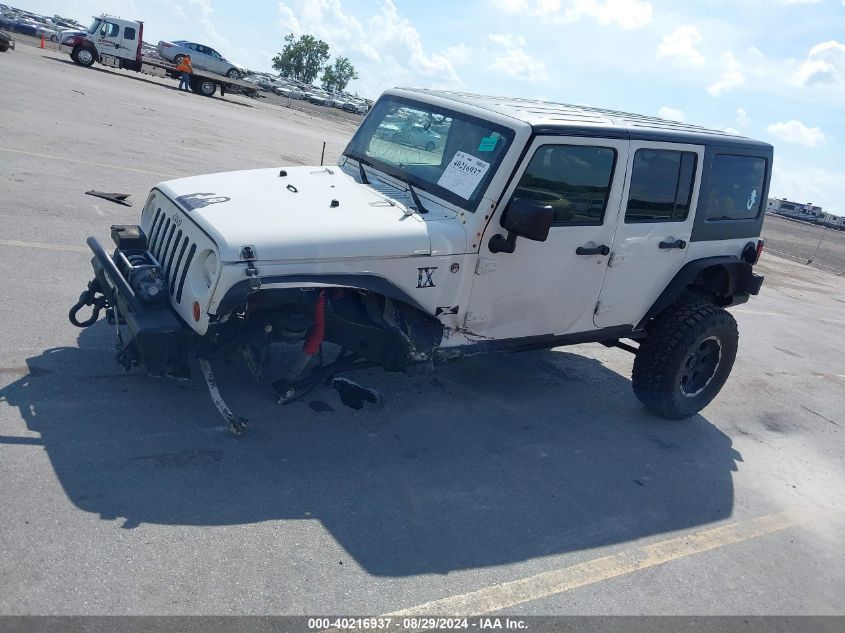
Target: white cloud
<point x="459" y="54"/>
<point x="825" y="64"/>
<point x="672" y="114"/>
<point x="625" y="14"/>
<point x="742" y="119"/>
<point x="731" y="78"/>
<point x="385" y="48"/>
<point x="514" y="61"/>
<point x="679" y="47"/>
<point x="794" y="131"/>
<point x="206" y="12"/>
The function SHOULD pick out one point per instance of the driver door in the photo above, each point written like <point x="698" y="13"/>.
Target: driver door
<point x="551" y="287"/>
<point x="113" y="39"/>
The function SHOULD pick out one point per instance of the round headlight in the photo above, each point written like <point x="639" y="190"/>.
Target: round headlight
<point x="209" y="268"/>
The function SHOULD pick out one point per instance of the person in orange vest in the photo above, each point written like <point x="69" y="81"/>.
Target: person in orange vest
<point x="185" y="68"/>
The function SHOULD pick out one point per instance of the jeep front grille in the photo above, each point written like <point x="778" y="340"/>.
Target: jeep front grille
<point x="173" y="251"/>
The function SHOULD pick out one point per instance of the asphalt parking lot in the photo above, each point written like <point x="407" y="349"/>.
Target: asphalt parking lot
<point x="534" y="483"/>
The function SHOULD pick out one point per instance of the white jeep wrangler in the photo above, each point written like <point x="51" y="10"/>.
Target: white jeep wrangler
<point x="453" y="225"/>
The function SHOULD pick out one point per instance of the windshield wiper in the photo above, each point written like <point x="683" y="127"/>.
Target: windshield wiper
<point x="417" y="201"/>
<point x="366" y="181"/>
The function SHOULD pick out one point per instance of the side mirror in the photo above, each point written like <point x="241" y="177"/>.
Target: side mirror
<point x="526" y="218"/>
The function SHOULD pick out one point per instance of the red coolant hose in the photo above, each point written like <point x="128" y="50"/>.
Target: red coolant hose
<point x="318" y="329"/>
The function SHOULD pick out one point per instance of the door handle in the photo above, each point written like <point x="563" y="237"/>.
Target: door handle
<point x="675" y="244"/>
<point x="601" y="249"/>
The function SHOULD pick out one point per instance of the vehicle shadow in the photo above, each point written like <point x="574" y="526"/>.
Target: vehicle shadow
<point x="490" y="461"/>
<point x="143" y="79"/>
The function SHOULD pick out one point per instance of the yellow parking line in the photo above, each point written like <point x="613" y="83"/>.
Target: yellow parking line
<point x="550" y="583"/>
<point x="82" y="161"/>
<point x="49" y="247"/>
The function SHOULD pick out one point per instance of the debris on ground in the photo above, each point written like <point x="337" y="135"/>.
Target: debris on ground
<point x="117" y="198"/>
<point x="352" y="394"/>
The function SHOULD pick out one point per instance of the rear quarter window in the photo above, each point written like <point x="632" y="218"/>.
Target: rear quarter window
<point x="736" y="188"/>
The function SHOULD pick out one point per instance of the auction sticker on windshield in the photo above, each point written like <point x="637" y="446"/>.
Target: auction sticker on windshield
<point x="463" y="174"/>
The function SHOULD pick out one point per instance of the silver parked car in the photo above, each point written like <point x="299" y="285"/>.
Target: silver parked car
<point x="202" y="57"/>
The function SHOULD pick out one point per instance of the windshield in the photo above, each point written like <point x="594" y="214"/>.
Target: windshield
<point x="94" y="26"/>
<point x="451" y="155"/>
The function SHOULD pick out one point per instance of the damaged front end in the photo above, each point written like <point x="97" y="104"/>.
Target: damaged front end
<point x="368" y="328"/>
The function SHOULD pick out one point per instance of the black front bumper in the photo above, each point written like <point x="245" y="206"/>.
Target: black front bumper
<point x="158" y="338"/>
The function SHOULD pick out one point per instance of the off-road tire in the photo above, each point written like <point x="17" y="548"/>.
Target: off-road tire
<point x="682" y="338"/>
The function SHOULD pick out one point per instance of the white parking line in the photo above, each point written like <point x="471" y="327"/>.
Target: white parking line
<point x="80" y="161"/>
<point x="509" y="594"/>
<point x="48" y="247"/>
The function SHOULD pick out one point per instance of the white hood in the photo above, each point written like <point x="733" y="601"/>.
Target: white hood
<point x="309" y="213"/>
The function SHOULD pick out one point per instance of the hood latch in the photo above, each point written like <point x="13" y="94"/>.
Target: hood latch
<point x="248" y="255"/>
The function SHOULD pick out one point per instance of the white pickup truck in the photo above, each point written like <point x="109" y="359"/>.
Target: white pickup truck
<point x="453" y="225"/>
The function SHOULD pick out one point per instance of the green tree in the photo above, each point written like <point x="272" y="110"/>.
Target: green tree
<point x="302" y="58"/>
<point x="338" y="75"/>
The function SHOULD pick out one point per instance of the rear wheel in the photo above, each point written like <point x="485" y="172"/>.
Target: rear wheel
<point x="83" y="56"/>
<point x="429" y="146"/>
<point x="205" y="87"/>
<point x="178" y="59"/>
<point x="685" y="360"/>
<point x="233" y="73"/>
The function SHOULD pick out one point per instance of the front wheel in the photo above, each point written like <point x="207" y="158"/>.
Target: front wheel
<point x="233" y="73"/>
<point x="83" y="56"/>
<point x="685" y="360"/>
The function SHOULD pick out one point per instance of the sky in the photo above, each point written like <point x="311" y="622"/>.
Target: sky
<point x="773" y="70"/>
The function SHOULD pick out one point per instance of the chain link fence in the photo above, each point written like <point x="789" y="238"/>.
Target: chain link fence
<point x="808" y="243"/>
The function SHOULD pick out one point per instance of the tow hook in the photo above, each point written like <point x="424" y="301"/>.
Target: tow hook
<point x="89" y="298"/>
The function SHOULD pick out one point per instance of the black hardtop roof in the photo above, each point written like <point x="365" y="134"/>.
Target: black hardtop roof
<point x="548" y="117"/>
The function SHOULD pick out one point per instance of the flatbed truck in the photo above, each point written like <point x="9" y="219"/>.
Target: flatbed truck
<point x="118" y="43"/>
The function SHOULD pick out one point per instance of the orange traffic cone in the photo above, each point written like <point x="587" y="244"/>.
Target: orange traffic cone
<point x="42" y="42"/>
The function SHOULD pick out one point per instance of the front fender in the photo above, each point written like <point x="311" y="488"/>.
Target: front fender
<point x="236" y="295"/>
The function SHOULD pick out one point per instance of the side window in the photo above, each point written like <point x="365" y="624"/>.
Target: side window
<point x="661" y="186"/>
<point x="109" y="29"/>
<point x="202" y="49"/>
<point x="736" y="187"/>
<point x="129" y="33"/>
<point x="574" y="179"/>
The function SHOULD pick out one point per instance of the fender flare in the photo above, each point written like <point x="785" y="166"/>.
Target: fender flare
<point x="740" y="280"/>
<point x="372" y="283"/>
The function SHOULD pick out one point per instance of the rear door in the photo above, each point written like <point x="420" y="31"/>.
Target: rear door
<point x="655" y="224"/>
